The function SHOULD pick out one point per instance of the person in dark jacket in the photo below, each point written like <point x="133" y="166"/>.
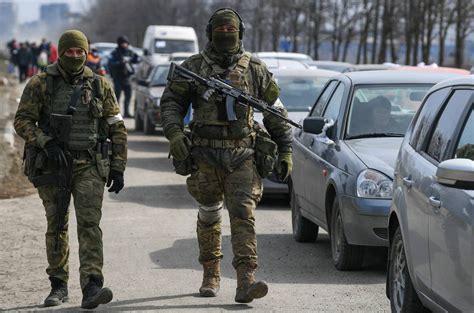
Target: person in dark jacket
<point x="23" y="60"/>
<point x="121" y="70"/>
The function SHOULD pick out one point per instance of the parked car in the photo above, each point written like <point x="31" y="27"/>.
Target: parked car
<point x="344" y="157"/>
<point x="283" y="56"/>
<point x="299" y="89"/>
<point x="147" y="99"/>
<point x="433" y="69"/>
<point x="430" y="226"/>
<point x="374" y="67"/>
<point x="180" y="56"/>
<point x="342" y="67"/>
<point x="273" y="64"/>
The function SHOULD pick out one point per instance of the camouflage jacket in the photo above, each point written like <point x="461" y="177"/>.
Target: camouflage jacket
<point x="30" y="110"/>
<point x="178" y="96"/>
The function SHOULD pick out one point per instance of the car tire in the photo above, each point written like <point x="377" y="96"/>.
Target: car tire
<point x="148" y="126"/>
<point x="346" y="257"/>
<point x="138" y="120"/>
<point x="303" y="229"/>
<point x="403" y="297"/>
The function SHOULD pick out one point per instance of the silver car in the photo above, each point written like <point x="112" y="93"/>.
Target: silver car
<point x="344" y="157"/>
<point x="430" y="224"/>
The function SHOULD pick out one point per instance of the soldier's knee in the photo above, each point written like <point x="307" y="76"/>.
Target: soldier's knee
<point x="210" y="214"/>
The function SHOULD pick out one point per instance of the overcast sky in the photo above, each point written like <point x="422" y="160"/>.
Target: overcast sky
<point x="28" y="10"/>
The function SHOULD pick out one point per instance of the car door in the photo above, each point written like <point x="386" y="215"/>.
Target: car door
<point x="301" y="150"/>
<point x="450" y="214"/>
<point x="320" y="161"/>
<point x="411" y="172"/>
<point x="142" y="89"/>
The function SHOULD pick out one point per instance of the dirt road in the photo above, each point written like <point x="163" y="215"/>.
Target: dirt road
<point x="151" y="252"/>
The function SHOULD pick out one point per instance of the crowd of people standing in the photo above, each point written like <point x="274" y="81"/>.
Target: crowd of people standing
<point x="29" y="58"/>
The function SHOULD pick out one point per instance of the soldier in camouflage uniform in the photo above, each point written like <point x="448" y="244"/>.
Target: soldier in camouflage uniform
<point x="222" y="151"/>
<point x="96" y="119"/>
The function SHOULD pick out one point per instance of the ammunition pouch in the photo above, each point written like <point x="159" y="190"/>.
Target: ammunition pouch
<point x="102" y="158"/>
<point x="34" y="160"/>
<point x="265" y="152"/>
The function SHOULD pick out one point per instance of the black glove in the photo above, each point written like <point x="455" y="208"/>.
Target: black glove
<point x="117" y="178"/>
<point x="55" y="154"/>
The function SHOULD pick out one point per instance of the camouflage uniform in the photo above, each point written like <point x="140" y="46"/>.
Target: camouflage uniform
<point x="223" y="151"/>
<point x="87" y="183"/>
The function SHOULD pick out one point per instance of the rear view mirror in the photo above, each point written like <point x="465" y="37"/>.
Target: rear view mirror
<point x="146" y="52"/>
<point x="417" y="95"/>
<point x="456" y="173"/>
<point x="143" y="82"/>
<point x="314" y="125"/>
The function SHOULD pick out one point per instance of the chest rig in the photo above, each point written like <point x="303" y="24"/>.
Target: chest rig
<point x="85" y="120"/>
<point x="209" y="118"/>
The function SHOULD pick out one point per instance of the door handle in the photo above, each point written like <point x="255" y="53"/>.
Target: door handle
<point x="407" y="182"/>
<point x="435" y="203"/>
<point x="311" y="143"/>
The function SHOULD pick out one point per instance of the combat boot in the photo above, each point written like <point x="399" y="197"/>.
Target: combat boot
<point x="247" y="288"/>
<point x="94" y="294"/>
<point x="211" y="278"/>
<point x="58" y="293"/>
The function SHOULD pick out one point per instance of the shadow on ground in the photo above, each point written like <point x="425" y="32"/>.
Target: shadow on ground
<point x="282" y="260"/>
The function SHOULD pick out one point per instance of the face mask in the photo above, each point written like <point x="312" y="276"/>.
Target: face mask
<point x="72" y="64"/>
<point x="225" y="42"/>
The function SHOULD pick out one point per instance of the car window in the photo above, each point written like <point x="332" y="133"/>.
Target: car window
<point x="426" y="117"/>
<point x="318" y="109"/>
<point x="160" y="75"/>
<point x="465" y="146"/>
<point x="299" y="93"/>
<point x="447" y="124"/>
<point x="173" y="45"/>
<point x="334" y="105"/>
<point x="383" y="110"/>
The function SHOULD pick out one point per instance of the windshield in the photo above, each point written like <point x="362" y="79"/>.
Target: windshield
<point x="167" y="46"/>
<point x="387" y="110"/>
<point x="159" y="75"/>
<point x="299" y="93"/>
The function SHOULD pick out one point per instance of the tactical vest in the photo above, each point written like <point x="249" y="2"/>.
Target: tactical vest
<point x="209" y="116"/>
<point x="85" y="120"/>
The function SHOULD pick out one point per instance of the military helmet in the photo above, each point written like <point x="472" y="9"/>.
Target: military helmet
<point x="209" y="23"/>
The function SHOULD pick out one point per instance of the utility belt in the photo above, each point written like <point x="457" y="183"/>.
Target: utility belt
<point x="247" y="142"/>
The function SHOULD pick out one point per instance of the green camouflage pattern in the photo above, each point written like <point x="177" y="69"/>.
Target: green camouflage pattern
<point x="87" y="192"/>
<point x="32" y="108"/>
<point x="241" y="190"/>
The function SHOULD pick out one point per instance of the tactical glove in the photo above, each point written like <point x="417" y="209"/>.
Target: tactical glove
<point x="179" y="146"/>
<point x="55" y="154"/>
<point x="284" y="165"/>
<point x="116" y="178"/>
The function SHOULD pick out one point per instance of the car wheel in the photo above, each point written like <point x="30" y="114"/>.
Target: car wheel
<point x="138" y="120"/>
<point x="346" y="257"/>
<point x="303" y="229"/>
<point x="403" y="297"/>
<point x="148" y="126"/>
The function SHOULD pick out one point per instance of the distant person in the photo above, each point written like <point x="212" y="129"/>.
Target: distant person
<point x="12" y="46"/>
<point x="382" y="121"/>
<point x="34" y="53"/>
<point x="94" y="62"/>
<point x="53" y="53"/>
<point x="121" y="69"/>
<point x="23" y="60"/>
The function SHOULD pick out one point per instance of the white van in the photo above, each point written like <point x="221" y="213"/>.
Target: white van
<point x="161" y="40"/>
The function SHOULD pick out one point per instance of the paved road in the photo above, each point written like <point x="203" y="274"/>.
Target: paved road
<point x="151" y="252"/>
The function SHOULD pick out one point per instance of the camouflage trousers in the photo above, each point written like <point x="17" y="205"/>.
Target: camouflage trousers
<point x="87" y="193"/>
<point x="240" y="191"/>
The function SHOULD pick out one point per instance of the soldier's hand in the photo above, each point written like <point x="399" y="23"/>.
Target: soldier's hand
<point x="55" y="154"/>
<point x="116" y="178"/>
<point x="179" y="146"/>
<point x="284" y="165"/>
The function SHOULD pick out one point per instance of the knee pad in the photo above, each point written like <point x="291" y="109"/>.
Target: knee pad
<point x="210" y="214"/>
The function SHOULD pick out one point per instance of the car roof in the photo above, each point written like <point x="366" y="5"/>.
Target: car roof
<point x="436" y="69"/>
<point x="283" y="55"/>
<point x="304" y="72"/>
<point x="457" y="81"/>
<point x="332" y="63"/>
<point x="395" y="77"/>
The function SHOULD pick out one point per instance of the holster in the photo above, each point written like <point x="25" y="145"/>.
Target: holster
<point x="102" y="158"/>
<point x="34" y="160"/>
<point x="265" y="152"/>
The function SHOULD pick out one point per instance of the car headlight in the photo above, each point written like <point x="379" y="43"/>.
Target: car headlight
<point x="157" y="102"/>
<point x="373" y="184"/>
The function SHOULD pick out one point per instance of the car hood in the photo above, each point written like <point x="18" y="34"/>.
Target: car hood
<point x="295" y="116"/>
<point x="377" y="153"/>
<point x="157" y="91"/>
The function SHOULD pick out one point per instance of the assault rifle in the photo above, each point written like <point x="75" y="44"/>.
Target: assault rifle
<point x="232" y="95"/>
<point x="60" y="127"/>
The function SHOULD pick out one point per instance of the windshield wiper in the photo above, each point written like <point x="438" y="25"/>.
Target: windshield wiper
<point x="374" y="135"/>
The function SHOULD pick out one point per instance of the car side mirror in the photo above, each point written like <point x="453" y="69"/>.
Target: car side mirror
<point x="146" y="52"/>
<point x="314" y="125"/>
<point x="143" y="82"/>
<point x="456" y="173"/>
